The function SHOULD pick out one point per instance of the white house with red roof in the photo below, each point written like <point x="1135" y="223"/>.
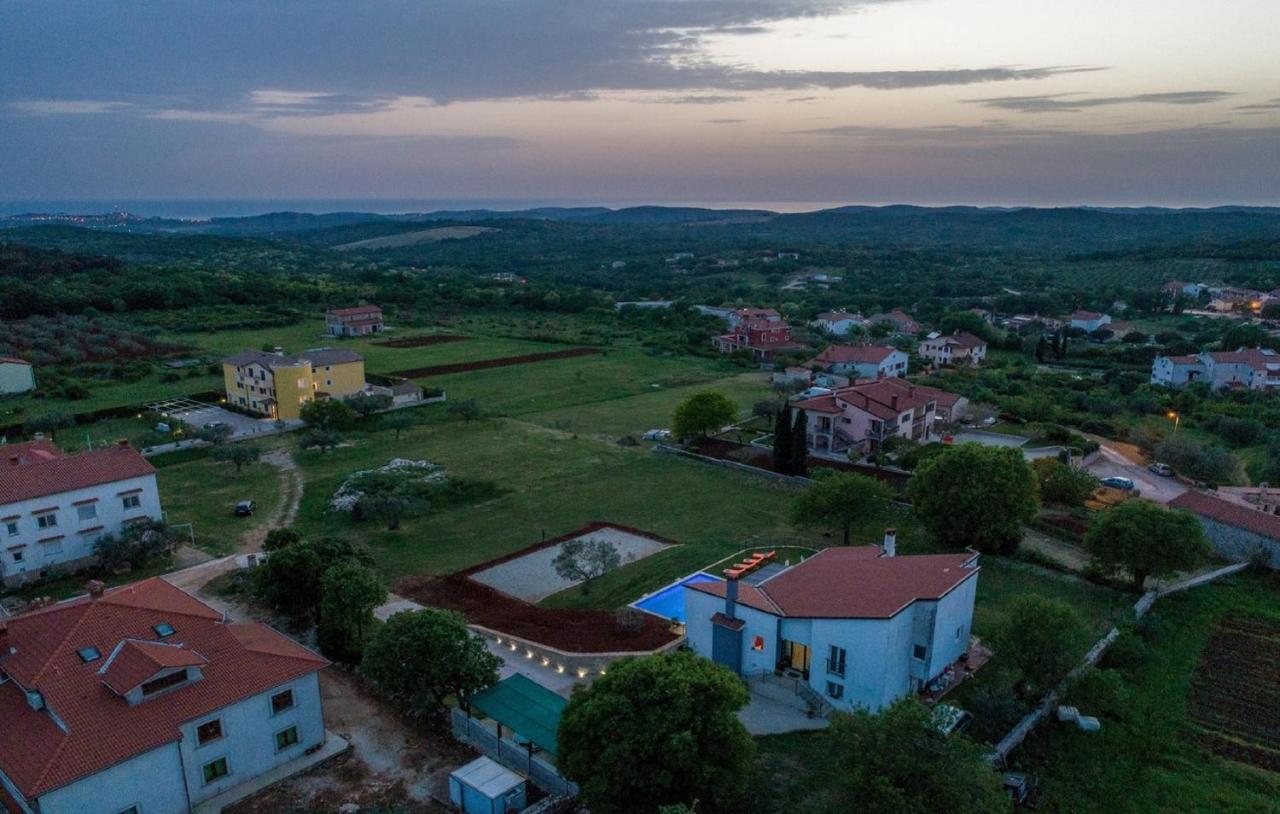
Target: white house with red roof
<point x="16" y="376"/>
<point x="55" y="506"/>
<point x="903" y="323"/>
<point x="861" y="361"/>
<point x="1089" y="321"/>
<point x="143" y="700"/>
<point x="1244" y="368"/>
<point x="960" y="348"/>
<point x="360" y="320"/>
<point x="861" y="417"/>
<point x="839" y="323"/>
<point x="858" y="625"/>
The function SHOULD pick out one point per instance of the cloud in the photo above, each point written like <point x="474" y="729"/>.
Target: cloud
<point x="1072" y="103"/>
<point x="1000" y="134"/>
<point x="804" y="99"/>
<point x="726" y="121"/>
<point x="696" y="99"/>
<point x="1260" y="107"/>
<point x="986" y="133"/>
<point x="68" y="107"/>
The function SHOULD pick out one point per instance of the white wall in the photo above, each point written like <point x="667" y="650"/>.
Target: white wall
<point x="152" y="781"/>
<point x="248" y="741"/>
<point x="74" y="545"/>
<point x="16" y="378"/>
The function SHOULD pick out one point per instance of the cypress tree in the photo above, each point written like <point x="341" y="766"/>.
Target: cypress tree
<point x="1040" y="347"/>
<point x="782" y="440"/>
<point x="800" y="444"/>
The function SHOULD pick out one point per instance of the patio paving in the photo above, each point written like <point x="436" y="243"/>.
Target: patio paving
<point x="767" y="714"/>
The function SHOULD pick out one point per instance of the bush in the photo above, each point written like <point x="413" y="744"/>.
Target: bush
<point x="1063" y="484"/>
<point x="1100" y="692"/>
<point x="1199" y="461"/>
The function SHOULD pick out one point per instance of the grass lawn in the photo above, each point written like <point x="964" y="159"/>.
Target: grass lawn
<point x="1149" y="760"/>
<point x="204" y="493"/>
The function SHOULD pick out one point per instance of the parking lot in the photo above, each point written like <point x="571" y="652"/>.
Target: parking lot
<point x="197" y="414"/>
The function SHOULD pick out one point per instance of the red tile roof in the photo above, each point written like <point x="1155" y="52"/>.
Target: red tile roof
<point x="13" y="360"/>
<point x="853" y="583"/>
<point x="1231" y="514"/>
<point x="854" y="354"/>
<point x="101" y="729"/>
<point x="43" y="469"/>
<point x="135" y="660"/>
<point x="358" y="310"/>
<point x="1086" y="316"/>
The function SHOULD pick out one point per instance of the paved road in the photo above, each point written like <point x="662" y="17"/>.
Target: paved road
<point x="1110" y="462"/>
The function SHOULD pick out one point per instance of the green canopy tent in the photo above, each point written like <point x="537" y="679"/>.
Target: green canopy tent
<point x="525" y="707"/>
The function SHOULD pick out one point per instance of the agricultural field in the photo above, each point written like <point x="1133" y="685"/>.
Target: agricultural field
<point x="1235" y="691"/>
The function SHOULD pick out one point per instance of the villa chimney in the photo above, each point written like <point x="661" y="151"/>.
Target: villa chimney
<point x="890" y="542"/>
<point x="95" y="587"/>
<point x="123" y="443"/>
<point x="730" y="596"/>
<point x="894" y="401"/>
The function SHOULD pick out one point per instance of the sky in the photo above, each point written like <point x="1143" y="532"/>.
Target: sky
<point x="999" y="102"/>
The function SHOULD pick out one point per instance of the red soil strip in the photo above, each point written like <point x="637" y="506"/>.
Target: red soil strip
<point x="506" y="361"/>
<point x="595" y="525"/>
<point x="420" y="341"/>
<point x="573" y="631"/>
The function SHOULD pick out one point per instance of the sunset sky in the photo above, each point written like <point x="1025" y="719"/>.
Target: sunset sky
<point x="1172" y="102"/>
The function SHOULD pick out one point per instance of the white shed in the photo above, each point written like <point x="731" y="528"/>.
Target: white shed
<point x="485" y="787"/>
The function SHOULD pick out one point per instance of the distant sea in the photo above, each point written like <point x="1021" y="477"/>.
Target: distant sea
<point x="200" y="209"/>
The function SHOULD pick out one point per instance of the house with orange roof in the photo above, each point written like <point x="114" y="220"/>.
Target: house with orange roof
<point x="144" y="700"/>
<point x="959" y="348"/>
<point x="861" y="417"/>
<point x="857" y="627"/>
<point x="761" y="331"/>
<point x="16" y="376"/>
<point x="54" y="506"/>
<point x="360" y="320"/>
<point x="861" y="361"/>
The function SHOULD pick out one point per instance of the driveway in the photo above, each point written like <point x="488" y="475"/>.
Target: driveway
<point x="1111" y="462"/>
<point x="196" y="414"/>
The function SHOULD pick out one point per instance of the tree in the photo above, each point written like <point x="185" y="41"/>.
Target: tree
<point x="1042" y="637"/>
<point x="136" y="545"/>
<point x="420" y="659"/>
<point x="366" y="404"/>
<point x="977" y="496"/>
<point x="290" y="581"/>
<point x="1202" y="462"/>
<point x="281" y="538"/>
<point x="897" y="761"/>
<point x="1040" y="348"/>
<point x="840" y="500"/>
<point x="349" y="593"/>
<point x="466" y="409"/>
<point x="800" y="444"/>
<point x="238" y="454"/>
<point x="1146" y="540"/>
<point x="398" y="422"/>
<point x="321" y="439"/>
<point x="1062" y="483"/>
<point x="782" y="440"/>
<point x="583" y="560"/>
<point x="328" y="414"/>
<point x="658" y="730"/>
<point x="217" y="434"/>
<point x="703" y="413"/>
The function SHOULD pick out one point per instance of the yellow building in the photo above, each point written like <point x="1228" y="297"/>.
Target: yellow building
<point x="276" y="385"/>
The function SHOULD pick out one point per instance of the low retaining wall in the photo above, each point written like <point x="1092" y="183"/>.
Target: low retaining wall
<point x="581" y="665"/>
<point x="1042" y="710"/>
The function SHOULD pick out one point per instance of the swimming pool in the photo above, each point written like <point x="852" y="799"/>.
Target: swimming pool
<point x="669" y="602"/>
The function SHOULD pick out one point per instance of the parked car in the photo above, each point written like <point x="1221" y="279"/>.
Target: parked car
<point x="1163" y="470"/>
<point x="1117" y="482"/>
<point x="1023" y="788"/>
<point x="246" y="508"/>
<point x="213" y="425"/>
<point x="950" y="720"/>
<point x="657" y="435"/>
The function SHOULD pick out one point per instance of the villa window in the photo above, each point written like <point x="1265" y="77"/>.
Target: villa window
<point x="835" y="690"/>
<point x="959" y="632"/>
<point x="281" y="701"/>
<point x="47" y="521"/>
<point x="132" y="502"/>
<point x="836" y="660"/>
<point x="209" y="731"/>
<point x="133" y="809"/>
<point x="215" y="769"/>
<point x="919" y="652"/>
<point x="757" y="643"/>
<point x="11" y="528"/>
<point x="87" y="511"/>
<point x="51" y="547"/>
<point x="16" y="554"/>
<point x="286" y="738"/>
<point x="164" y="682"/>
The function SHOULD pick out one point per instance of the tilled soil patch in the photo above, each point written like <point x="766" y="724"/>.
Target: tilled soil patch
<point x="485" y="364"/>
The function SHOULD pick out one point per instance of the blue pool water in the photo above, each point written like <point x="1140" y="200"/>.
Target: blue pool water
<point x="669" y="602"/>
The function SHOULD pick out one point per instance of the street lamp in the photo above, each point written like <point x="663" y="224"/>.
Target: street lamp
<point x="1176" y="419"/>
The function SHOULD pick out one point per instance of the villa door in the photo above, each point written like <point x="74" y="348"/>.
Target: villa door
<point x="798" y="656"/>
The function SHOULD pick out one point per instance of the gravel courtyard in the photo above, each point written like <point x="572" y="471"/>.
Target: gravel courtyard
<point x="532" y="577"/>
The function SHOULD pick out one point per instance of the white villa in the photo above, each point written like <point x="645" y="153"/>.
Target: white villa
<point x="55" y="506"/>
<point x="858" y="625"/>
<point x="143" y="700"/>
<point x="1089" y="321"/>
<point x="957" y="349"/>
<point x="839" y="323"/>
<point x="1245" y="368"/>
<point x="861" y="361"/>
<point x="864" y="415"/>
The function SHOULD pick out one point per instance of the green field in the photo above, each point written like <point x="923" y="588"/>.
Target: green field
<point x="204" y="494"/>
